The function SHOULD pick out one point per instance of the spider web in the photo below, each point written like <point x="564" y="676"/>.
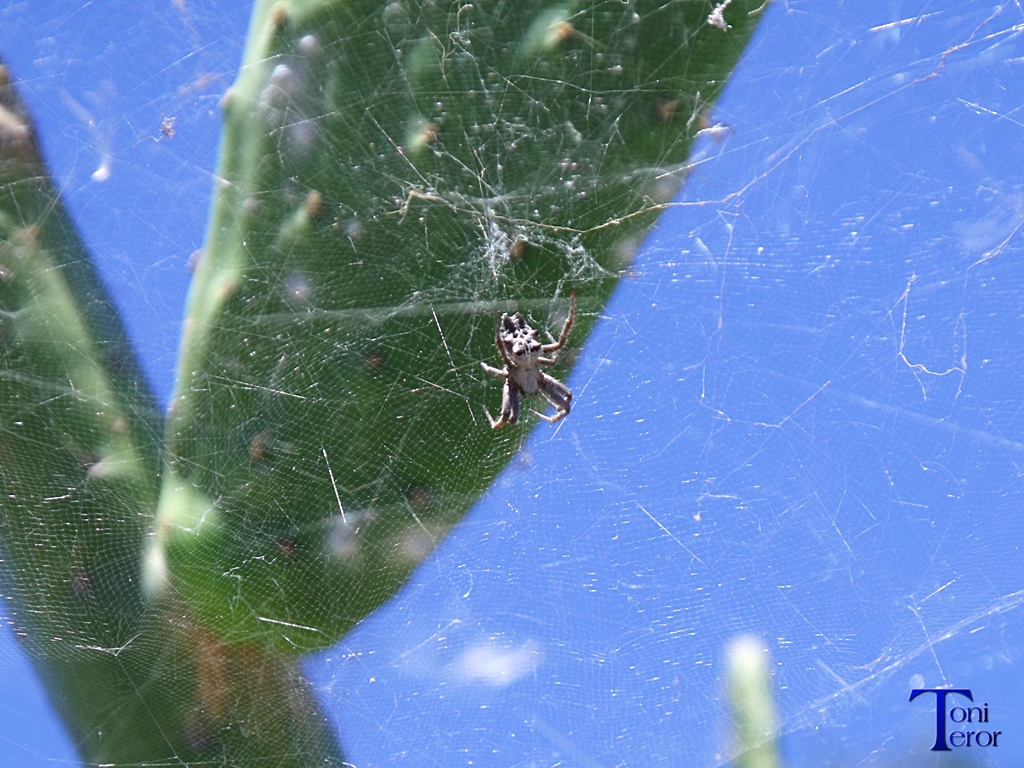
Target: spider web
<point x="798" y="418"/>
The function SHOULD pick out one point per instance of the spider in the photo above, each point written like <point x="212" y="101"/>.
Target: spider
<point x="524" y="355"/>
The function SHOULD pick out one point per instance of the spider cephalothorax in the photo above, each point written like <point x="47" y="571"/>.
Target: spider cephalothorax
<point x="524" y="354"/>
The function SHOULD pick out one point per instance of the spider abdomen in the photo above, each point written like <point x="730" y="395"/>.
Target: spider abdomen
<point x="526" y="380"/>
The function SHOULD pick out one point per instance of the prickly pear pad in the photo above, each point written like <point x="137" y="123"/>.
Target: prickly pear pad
<point x="391" y="174"/>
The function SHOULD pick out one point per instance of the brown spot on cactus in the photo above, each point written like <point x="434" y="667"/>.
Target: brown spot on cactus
<point x="665" y="108"/>
<point x="259" y="447"/>
<point x="375" y="360"/>
<point x="287" y="547"/>
<point x="520" y="245"/>
<point x="420" y="497"/>
<point x="279" y="16"/>
<point x="315" y="205"/>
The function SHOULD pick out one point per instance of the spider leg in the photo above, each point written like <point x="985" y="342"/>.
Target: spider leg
<point x="494" y="371"/>
<point x="554" y="346"/>
<point x="556" y="393"/>
<point x="509" y="408"/>
<point x="495" y="423"/>
<point x="497" y="339"/>
<point x="559" y="415"/>
<point x="549" y="385"/>
<point x="553" y="419"/>
<point x="513" y="404"/>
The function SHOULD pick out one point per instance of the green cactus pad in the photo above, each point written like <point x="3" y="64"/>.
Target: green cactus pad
<point x="391" y="175"/>
<point x="79" y="479"/>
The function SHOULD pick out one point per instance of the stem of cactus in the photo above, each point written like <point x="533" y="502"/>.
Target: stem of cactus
<point x="752" y="704"/>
